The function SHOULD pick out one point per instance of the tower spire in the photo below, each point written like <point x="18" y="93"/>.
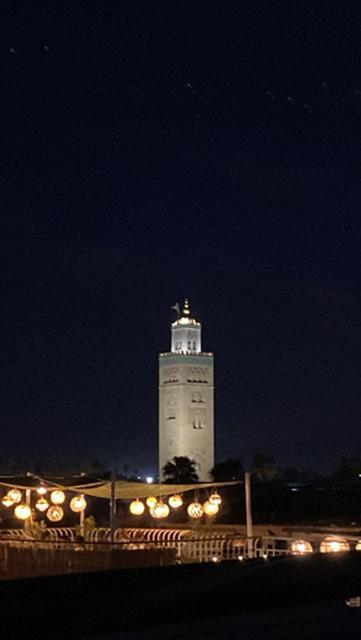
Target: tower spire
<point x="186" y="310"/>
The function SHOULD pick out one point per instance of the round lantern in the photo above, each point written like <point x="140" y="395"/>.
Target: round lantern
<point x="195" y="510"/>
<point x="57" y="496"/>
<point x="332" y="544"/>
<point x="22" y="511"/>
<point x="41" y="504"/>
<point x="215" y="498"/>
<point x="78" y="504"/>
<point x="55" y="513"/>
<point x="175" y="501"/>
<point x="7" y="501"/>
<point x="160" y="510"/>
<point x="151" y="501"/>
<point x="300" y="547"/>
<point x="41" y="491"/>
<point x="210" y="508"/>
<point x="137" y="507"/>
<point x="15" y="495"/>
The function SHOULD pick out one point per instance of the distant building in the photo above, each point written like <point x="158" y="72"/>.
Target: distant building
<point x="186" y="390"/>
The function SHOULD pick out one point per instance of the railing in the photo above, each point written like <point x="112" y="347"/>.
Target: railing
<point x="193" y="546"/>
<point x="15" y="534"/>
<point x="190" y="545"/>
<point x="60" y="534"/>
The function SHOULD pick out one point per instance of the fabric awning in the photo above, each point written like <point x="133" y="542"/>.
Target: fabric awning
<point x="123" y="490"/>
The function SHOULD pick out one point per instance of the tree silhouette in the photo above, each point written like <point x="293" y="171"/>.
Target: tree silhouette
<point x="348" y="468"/>
<point x="180" y="470"/>
<point x="230" y="469"/>
<point x="264" y="467"/>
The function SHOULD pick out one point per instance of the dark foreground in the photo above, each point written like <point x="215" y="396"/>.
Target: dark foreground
<point x="308" y="622"/>
<point x="291" y="598"/>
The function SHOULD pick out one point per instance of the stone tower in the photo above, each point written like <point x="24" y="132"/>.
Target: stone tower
<point x="186" y="389"/>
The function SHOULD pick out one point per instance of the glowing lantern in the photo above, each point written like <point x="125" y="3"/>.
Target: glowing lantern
<point x="7" y="501"/>
<point x="15" y="495"/>
<point x="215" y="498"/>
<point x="331" y="544"/>
<point x="22" y="511"/>
<point x="358" y="546"/>
<point x="160" y="510"/>
<point x="195" y="510"/>
<point x="41" y="491"/>
<point x="151" y="501"/>
<point x="175" y="501"/>
<point x="137" y="507"/>
<point x="78" y="504"/>
<point x="41" y="504"/>
<point x="55" y="513"/>
<point x="210" y="508"/>
<point x="300" y="547"/>
<point x="57" y="496"/>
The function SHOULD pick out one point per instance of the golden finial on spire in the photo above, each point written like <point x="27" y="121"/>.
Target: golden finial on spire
<point x="186" y="310"/>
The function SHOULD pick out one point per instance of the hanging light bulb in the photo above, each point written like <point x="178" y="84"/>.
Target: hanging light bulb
<point x="160" y="510"/>
<point x="22" y="511"/>
<point x="41" y="504"/>
<point x="42" y="490"/>
<point x="78" y="504"/>
<point x="137" y="507"/>
<point x="7" y="501"/>
<point x="15" y="495"/>
<point x="57" y="496"/>
<point x="151" y="501"/>
<point x="195" y="510"/>
<point x="55" y="513"/>
<point x="210" y="508"/>
<point x="175" y="501"/>
<point x="215" y="498"/>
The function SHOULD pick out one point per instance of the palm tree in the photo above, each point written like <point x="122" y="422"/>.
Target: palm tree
<point x="181" y="470"/>
<point x="230" y="469"/>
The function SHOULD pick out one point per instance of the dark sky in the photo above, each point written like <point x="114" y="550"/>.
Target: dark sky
<point x="157" y="150"/>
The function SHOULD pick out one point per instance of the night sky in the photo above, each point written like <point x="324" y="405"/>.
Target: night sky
<point x="153" y="151"/>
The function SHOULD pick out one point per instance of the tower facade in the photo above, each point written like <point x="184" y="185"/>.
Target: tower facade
<point x="186" y="392"/>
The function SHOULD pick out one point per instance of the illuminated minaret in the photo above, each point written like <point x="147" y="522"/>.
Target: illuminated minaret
<point x="186" y="388"/>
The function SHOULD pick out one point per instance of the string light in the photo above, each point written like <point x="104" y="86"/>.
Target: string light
<point x="57" y="496"/>
<point x="22" y="511"/>
<point x="175" y="501"/>
<point x="137" y="507"/>
<point x="41" y="504"/>
<point x="15" y="495"/>
<point x="195" y="510"/>
<point x="55" y="513"/>
<point x="7" y="501"/>
<point x="78" y="504"/>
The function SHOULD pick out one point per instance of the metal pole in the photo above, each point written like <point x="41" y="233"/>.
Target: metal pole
<point x="28" y="522"/>
<point x="249" y="524"/>
<point x="112" y="505"/>
<point x="81" y="523"/>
